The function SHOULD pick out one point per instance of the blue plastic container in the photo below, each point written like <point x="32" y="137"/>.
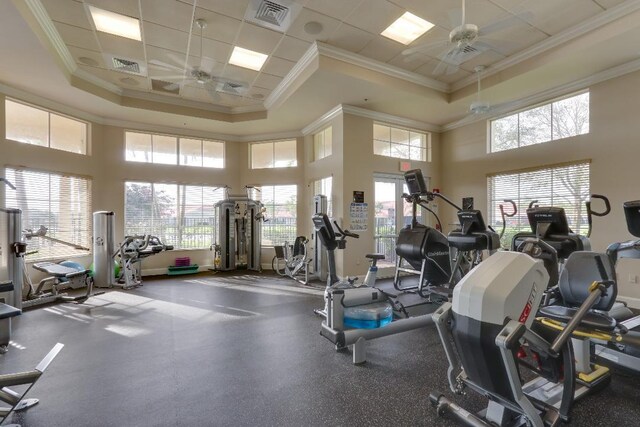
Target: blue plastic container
<point x="368" y="316"/>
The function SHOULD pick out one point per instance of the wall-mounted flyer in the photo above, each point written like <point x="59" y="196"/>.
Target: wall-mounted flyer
<point x="358" y="214"/>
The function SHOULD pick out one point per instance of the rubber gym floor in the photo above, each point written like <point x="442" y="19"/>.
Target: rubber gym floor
<point x="237" y="350"/>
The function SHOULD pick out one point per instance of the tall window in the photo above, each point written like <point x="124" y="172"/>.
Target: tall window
<point x="59" y="203"/>
<point x="36" y="126"/>
<point x="180" y="215"/>
<point x="564" y="186"/>
<point x="401" y="143"/>
<point x="322" y="143"/>
<point x="323" y="187"/>
<point x="281" y="202"/>
<point x="173" y="150"/>
<point x="273" y="154"/>
<point x="556" y="120"/>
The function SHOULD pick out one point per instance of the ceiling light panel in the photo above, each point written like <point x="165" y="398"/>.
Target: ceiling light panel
<point x="407" y="28"/>
<point x="115" y="23"/>
<point x="247" y="58"/>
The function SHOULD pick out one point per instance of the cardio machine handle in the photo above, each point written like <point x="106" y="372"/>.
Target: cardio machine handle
<point x="345" y="233"/>
<point x="533" y="202"/>
<point x="513" y="206"/>
<point x="591" y="213"/>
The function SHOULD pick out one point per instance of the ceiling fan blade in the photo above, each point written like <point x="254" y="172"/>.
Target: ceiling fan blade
<point x="482" y="46"/>
<point x="154" y="63"/>
<point x="180" y="77"/>
<point x="511" y="21"/>
<point x="440" y="68"/>
<point x="424" y="47"/>
<point x="180" y="62"/>
<point x="210" y="87"/>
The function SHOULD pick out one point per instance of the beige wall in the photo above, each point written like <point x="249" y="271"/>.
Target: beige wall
<point x="611" y="145"/>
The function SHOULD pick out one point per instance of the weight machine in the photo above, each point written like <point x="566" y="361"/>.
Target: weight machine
<point x="238" y="234"/>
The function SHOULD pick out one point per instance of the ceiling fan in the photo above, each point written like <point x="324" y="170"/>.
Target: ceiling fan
<point x="465" y="41"/>
<point x="211" y="84"/>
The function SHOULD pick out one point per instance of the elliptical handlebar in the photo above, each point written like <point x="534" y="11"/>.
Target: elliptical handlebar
<point x="533" y="202"/>
<point x="504" y="215"/>
<point x="344" y="233"/>
<point x="591" y="213"/>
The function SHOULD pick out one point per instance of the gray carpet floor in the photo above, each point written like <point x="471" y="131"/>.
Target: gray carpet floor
<point x="237" y="350"/>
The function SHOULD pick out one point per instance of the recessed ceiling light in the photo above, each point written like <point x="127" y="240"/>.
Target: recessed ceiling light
<point x="116" y="24"/>
<point x="247" y="58"/>
<point x="88" y="61"/>
<point x="407" y="28"/>
<point x="313" y="27"/>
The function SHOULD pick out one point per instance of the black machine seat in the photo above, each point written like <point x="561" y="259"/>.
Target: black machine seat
<point x="375" y="256"/>
<point x="591" y="320"/>
<point x="580" y="271"/>
<point x="7" y="311"/>
<point x="6" y="286"/>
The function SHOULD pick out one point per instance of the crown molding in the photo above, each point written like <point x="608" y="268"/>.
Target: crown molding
<point x="380" y="67"/>
<point x="279" y="95"/>
<point x="322" y="121"/>
<point x="94" y="80"/>
<point x="390" y="119"/>
<point x="39" y="13"/>
<point x="549" y="94"/>
<point x="269" y="136"/>
<point x="580" y="29"/>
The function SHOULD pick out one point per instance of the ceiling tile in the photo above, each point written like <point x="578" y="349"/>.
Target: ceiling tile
<point x="409" y="63"/>
<point x="219" y="27"/>
<point x="70" y="12"/>
<point x="172" y="14"/>
<point x="218" y="51"/>
<point x="173" y="63"/>
<point x="165" y="38"/>
<point x="607" y="4"/>
<point x="240" y="74"/>
<point x="258" y="93"/>
<point x="486" y="58"/>
<point x="338" y="9"/>
<point x="448" y="13"/>
<point x="291" y="48"/>
<point x="116" y="77"/>
<point x="196" y="92"/>
<point x="267" y="81"/>
<point x="514" y="39"/>
<point x="207" y="64"/>
<point x="76" y="36"/>
<point x="551" y="17"/>
<point x="77" y="52"/>
<point x="258" y="39"/>
<point x="278" y="66"/>
<point x="121" y="46"/>
<point x="124" y="7"/>
<point x="232" y="8"/>
<point x="382" y="49"/>
<point x="350" y="38"/>
<point x="297" y="27"/>
<point x="374" y="19"/>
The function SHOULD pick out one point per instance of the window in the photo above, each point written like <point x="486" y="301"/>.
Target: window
<point x="180" y="215"/>
<point x="322" y="142"/>
<point x="556" y="120"/>
<point x="60" y="203"/>
<point x="35" y="126"/>
<point x="323" y="187"/>
<point x="273" y="154"/>
<point x="401" y="143"/>
<point x="172" y="150"/>
<point x="281" y="202"/>
<point x="564" y="186"/>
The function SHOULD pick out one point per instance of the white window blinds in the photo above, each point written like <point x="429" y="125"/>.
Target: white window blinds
<point x="281" y="202"/>
<point x="323" y="187"/>
<point x="565" y="186"/>
<point x="273" y="154"/>
<point x="60" y="203"/>
<point x="180" y="215"/>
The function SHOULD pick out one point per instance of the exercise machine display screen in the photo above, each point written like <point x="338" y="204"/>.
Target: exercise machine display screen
<point x="415" y="182"/>
<point x="554" y="219"/>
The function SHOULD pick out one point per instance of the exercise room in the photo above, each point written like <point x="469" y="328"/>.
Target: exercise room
<point x="319" y="212"/>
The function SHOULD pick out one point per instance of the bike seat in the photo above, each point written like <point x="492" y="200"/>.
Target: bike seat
<point x="375" y="256"/>
<point x="591" y="320"/>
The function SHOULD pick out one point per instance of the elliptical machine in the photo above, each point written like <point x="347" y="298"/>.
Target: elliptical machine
<point x="489" y="333"/>
<point x="292" y="260"/>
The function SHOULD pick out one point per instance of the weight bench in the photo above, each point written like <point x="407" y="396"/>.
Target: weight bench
<point x="28" y="378"/>
<point x="6" y="313"/>
<point x="59" y="275"/>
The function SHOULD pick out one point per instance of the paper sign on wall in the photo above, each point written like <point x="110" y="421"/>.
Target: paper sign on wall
<point x="358" y="214"/>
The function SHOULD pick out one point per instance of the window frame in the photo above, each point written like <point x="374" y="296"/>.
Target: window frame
<point x="87" y="124"/>
<point x="88" y="208"/>
<point x="321" y="136"/>
<point x="518" y="112"/>
<point x="427" y="149"/>
<point x="522" y="222"/>
<point x="270" y="217"/>
<point x="273" y="150"/>
<point x="178" y="150"/>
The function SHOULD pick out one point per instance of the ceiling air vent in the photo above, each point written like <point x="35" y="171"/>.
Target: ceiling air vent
<point x="233" y="88"/>
<point x="120" y="64"/>
<point x="274" y="14"/>
<point x="469" y="49"/>
<point x="165" y="87"/>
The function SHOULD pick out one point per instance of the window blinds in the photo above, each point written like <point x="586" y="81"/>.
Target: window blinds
<point x="61" y="203"/>
<point x="565" y="186"/>
<point x="180" y="215"/>
<point x="281" y="202"/>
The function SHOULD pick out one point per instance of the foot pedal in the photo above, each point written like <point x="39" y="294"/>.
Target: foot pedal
<point x="25" y="404"/>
